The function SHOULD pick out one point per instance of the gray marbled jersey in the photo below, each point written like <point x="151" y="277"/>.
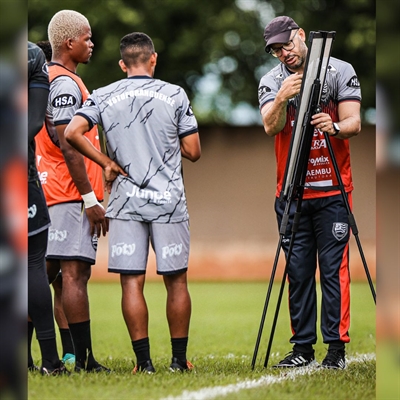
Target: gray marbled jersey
<point x="143" y="120"/>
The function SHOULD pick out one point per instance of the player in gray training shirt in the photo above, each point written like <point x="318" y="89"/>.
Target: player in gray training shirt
<point x="149" y="126"/>
<point x="143" y="120"/>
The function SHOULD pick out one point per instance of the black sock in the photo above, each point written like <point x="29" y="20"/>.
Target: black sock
<point x="141" y="348"/>
<point x="81" y="338"/>
<point x="179" y="346"/>
<point x="30" y="334"/>
<point x="66" y="340"/>
<point x="48" y="348"/>
<point x="303" y="348"/>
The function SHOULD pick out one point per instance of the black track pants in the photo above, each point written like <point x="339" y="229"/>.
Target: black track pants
<point x="323" y="234"/>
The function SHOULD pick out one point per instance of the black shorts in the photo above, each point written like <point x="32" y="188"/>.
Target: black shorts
<point x="38" y="215"/>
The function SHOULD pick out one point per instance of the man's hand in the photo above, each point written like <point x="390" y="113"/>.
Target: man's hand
<point x="111" y="171"/>
<point x="274" y="113"/>
<point x="98" y="221"/>
<point x="290" y="87"/>
<point x="323" y="122"/>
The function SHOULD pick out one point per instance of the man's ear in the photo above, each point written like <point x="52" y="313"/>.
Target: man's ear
<point x="122" y="66"/>
<point x="69" y="43"/>
<point x="302" y="34"/>
<point x="153" y="59"/>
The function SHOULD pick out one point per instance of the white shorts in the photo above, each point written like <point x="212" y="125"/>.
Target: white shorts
<point x="128" y="243"/>
<point x="69" y="234"/>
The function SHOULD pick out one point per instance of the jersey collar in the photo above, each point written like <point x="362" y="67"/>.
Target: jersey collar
<point x="140" y="77"/>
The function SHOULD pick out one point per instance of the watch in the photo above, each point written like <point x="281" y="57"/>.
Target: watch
<point x="336" y="128"/>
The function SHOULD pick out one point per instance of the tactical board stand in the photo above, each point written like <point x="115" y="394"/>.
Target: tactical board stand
<point x="296" y="167"/>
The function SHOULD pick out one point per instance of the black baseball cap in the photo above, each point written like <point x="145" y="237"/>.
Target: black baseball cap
<point x="278" y="31"/>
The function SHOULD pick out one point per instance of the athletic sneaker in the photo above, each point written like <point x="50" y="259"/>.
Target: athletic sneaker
<point x="334" y="360"/>
<point x="178" y="365"/>
<point x="146" y="367"/>
<point x="61" y="370"/>
<point x="96" y="367"/>
<point x="296" y="359"/>
<point x="33" y="368"/>
<point x="68" y="359"/>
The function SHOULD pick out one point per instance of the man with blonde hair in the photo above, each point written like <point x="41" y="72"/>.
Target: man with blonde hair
<point x="73" y="185"/>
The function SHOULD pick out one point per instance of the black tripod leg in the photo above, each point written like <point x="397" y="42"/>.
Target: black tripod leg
<point x="264" y="313"/>
<point x="278" y="306"/>
<point x="296" y="221"/>
<point x="352" y="220"/>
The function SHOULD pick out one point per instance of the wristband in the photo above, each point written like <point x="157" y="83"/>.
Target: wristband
<point x="89" y="199"/>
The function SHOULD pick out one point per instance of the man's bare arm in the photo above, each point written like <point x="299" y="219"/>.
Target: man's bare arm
<point x="190" y="147"/>
<point x="77" y="169"/>
<point x="274" y="113"/>
<point x="74" y="135"/>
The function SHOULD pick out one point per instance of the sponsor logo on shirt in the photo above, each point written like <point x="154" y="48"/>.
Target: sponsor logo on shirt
<point x="122" y="249"/>
<point x="354" y="82"/>
<point x="322" y="160"/>
<point x="63" y="101"/>
<point x="189" y="111"/>
<point x="89" y="103"/>
<point x="156" y="197"/>
<point x="319" y="172"/>
<point x="43" y="177"/>
<point x="331" y="68"/>
<point x="318" y="144"/>
<point x="262" y="90"/>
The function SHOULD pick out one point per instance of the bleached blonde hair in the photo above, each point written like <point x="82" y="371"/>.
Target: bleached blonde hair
<point x="65" y="24"/>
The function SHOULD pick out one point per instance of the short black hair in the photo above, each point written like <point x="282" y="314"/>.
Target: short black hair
<point x="136" y="48"/>
<point x="46" y="47"/>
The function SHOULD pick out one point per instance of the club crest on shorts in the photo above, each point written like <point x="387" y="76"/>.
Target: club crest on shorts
<point x="95" y="239"/>
<point x="339" y="230"/>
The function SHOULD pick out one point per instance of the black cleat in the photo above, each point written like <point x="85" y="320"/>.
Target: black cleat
<point x="334" y="360"/>
<point x="95" y="367"/>
<point x="60" y="370"/>
<point x="146" y="368"/>
<point x="178" y="365"/>
<point x="296" y="359"/>
<point x="33" y="368"/>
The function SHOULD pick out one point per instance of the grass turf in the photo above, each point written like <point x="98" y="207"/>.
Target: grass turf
<point x="224" y="326"/>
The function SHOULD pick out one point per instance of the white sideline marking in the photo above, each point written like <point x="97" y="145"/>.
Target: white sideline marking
<point x="212" y="392"/>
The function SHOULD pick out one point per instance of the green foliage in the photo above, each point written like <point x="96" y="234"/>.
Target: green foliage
<point x="220" y="40"/>
<point x="224" y="326"/>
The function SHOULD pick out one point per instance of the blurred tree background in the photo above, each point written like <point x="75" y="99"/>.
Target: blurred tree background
<point x="215" y="49"/>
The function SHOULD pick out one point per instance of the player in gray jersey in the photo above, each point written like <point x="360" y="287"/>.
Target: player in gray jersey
<point x="144" y="120"/>
<point x="149" y="126"/>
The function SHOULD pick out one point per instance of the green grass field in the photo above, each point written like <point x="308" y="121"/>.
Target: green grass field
<point x="224" y="327"/>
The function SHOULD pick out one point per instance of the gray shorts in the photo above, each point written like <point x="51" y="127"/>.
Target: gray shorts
<point x="128" y="243"/>
<point x="69" y="234"/>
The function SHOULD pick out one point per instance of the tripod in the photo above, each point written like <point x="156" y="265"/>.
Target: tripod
<point x="296" y="168"/>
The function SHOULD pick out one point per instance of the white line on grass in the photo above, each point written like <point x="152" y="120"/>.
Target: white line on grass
<point x="212" y="392"/>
